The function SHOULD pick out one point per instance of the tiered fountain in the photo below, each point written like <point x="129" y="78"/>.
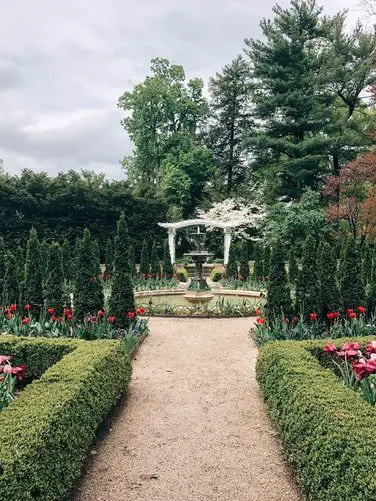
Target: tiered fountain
<point x="198" y="290"/>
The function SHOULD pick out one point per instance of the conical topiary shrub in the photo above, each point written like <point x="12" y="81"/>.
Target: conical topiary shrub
<point x="351" y="284"/>
<point x="144" y="261"/>
<point x="328" y="296"/>
<point x="244" y="263"/>
<point x="122" y="297"/>
<point x="32" y="287"/>
<point x="258" y="264"/>
<point x="155" y="267"/>
<point x="293" y="267"/>
<point x="278" y="289"/>
<point x="232" y="265"/>
<point x="168" y="269"/>
<point x="53" y="284"/>
<point x="11" y="292"/>
<point x="109" y="257"/>
<point x="307" y="290"/>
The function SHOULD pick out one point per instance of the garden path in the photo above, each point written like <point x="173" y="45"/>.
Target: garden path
<point x="194" y="427"/>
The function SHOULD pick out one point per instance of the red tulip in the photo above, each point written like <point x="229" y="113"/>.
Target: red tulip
<point x="19" y="371"/>
<point x="363" y="369"/>
<point x="100" y="313"/>
<point x="50" y="311"/>
<point x="9" y="316"/>
<point x="347" y="354"/>
<point x="140" y="311"/>
<point x="330" y="348"/>
<point x="27" y="307"/>
<point x="258" y="312"/>
<point x="60" y="319"/>
<point x="25" y="320"/>
<point x="332" y="315"/>
<point x="12" y="308"/>
<point x="111" y="320"/>
<point x="92" y="319"/>
<point x="69" y="316"/>
<point x="313" y="316"/>
<point x="361" y="309"/>
<point x="53" y="318"/>
<point x="351" y="346"/>
<point x="371" y="347"/>
<point x="260" y="320"/>
<point x="4" y="358"/>
<point x="351" y="315"/>
<point x="67" y="311"/>
<point x="130" y="314"/>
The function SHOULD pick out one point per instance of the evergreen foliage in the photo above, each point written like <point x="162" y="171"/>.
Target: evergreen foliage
<point x="132" y="261"/>
<point x="32" y="287"/>
<point x="328" y="296"/>
<point x="258" y="265"/>
<point x="351" y="284"/>
<point x="367" y="264"/>
<point x="66" y="257"/>
<point x="155" y="267"/>
<point x="266" y="261"/>
<point x="122" y="297"/>
<point x="168" y="269"/>
<point x="88" y="293"/>
<point x="244" y="263"/>
<point x="278" y="290"/>
<point x="232" y="265"/>
<point x="2" y="263"/>
<point x="11" y="292"/>
<point x="307" y="290"/>
<point x="109" y="258"/>
<point x="53" y="285"/>
<point x="144" y="261"/>
<point x="293" y="267"/>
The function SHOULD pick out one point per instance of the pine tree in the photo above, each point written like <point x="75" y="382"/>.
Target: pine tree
<point x="230" y="96"/>
<point x="328" y="297"/>
<point x="88" y="293"/>
<point x="122" y="297"/>
<point x="109" y="257"/>
<point x="66" y="257"/>
<point x="266" y="261"/>
<point x="53" y="285"/>
<point x="144" y="261"/>
<point x="32" y="288"/>
<point x="232" y="265"/>
<point x="258" y="265"/>
<point x="11" y="293"/>
<point x="351" y="285"/>
<point x="155" y="267"/>
<point x="307" y="290"/>
<point x="293" y="267"/>
<point x="244" y="263"/>
<point x="168" y="270"/>
<point x="278" y="290"/>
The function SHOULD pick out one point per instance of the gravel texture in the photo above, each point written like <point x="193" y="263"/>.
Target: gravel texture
<point x="194" y="427"/>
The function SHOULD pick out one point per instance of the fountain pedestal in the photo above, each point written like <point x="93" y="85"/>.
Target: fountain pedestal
<point x="198" y="290"/>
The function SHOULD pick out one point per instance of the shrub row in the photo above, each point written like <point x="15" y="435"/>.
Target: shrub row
<point x="328" y="431"/>
<point x="47" y="432"/>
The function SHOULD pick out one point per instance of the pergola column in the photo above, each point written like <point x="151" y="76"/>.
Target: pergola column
<point x="227" y="244"/>
<point x="171" y="243"/>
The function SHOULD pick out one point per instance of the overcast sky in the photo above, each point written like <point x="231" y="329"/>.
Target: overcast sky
<point x="64" y="64"/>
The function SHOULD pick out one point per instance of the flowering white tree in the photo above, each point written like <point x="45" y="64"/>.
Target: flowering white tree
<point x="243" y="215"/>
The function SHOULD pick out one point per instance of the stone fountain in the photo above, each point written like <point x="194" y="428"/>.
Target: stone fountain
<point x="198" y="290"/>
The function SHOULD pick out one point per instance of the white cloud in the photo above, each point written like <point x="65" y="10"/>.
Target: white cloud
<point x="64" y="65"/>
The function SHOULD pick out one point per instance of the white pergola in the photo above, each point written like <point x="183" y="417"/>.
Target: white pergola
<point x="172" y="227"/>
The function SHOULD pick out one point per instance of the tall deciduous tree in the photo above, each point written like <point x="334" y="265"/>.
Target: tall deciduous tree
<point x="122" y="296"/>
<point x="230" y="110"/>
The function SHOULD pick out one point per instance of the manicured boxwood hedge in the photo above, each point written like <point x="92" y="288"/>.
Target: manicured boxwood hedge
<point x="47" y="432"/>
<point x="328" y="431"/>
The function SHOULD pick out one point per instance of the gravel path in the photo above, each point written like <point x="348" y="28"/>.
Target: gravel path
<point x="194" y="427"/>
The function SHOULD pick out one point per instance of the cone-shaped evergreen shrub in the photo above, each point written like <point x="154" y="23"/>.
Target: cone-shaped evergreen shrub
<point x="155" y="267"/>
<point x="2" y="263"/>
<point x="144" y="261"/>
<point x="11" y="292"/>
<point x="132" y="261"/>
<point x="266" y="261"/>
<point x="53" y="285"/>
<point x="88" y="293"/>
<point x="109" y="258"/>
<point x="32" y="287"/>
<point x="76" y="256"/>
<point x="367" y="265"/>
<point x="307" y="290"/>
<point x="328" y="297"/>
<point x="122" y="296"/>
<point x="293" y="267"/>
<point x="20" y="255"/>
<point x="258" y="265"/>
<point x="278" y="289"/>
<point x="351" y="285"/>
<point x="232" y="265"/>
<point x="44" y="250"/>
<point x="168" y="269"/>
<point x="66" y="257"/>
<point x="244" y="263"/>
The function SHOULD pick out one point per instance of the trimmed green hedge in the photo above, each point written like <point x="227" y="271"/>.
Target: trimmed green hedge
<point x="47" y="432"/>
<point x="328" y="431"/>
<point x="217" y="274"/>
<point x="181" y="274"/>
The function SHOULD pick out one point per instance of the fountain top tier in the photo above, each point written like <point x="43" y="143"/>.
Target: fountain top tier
<point x="197" y="238"/>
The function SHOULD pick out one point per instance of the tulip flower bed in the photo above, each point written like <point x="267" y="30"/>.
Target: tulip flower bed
<point x="9" y="375"/>
<point x="327" y="429"/>
<point x="47" y="432"/>
<point x="334" y="325"/>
